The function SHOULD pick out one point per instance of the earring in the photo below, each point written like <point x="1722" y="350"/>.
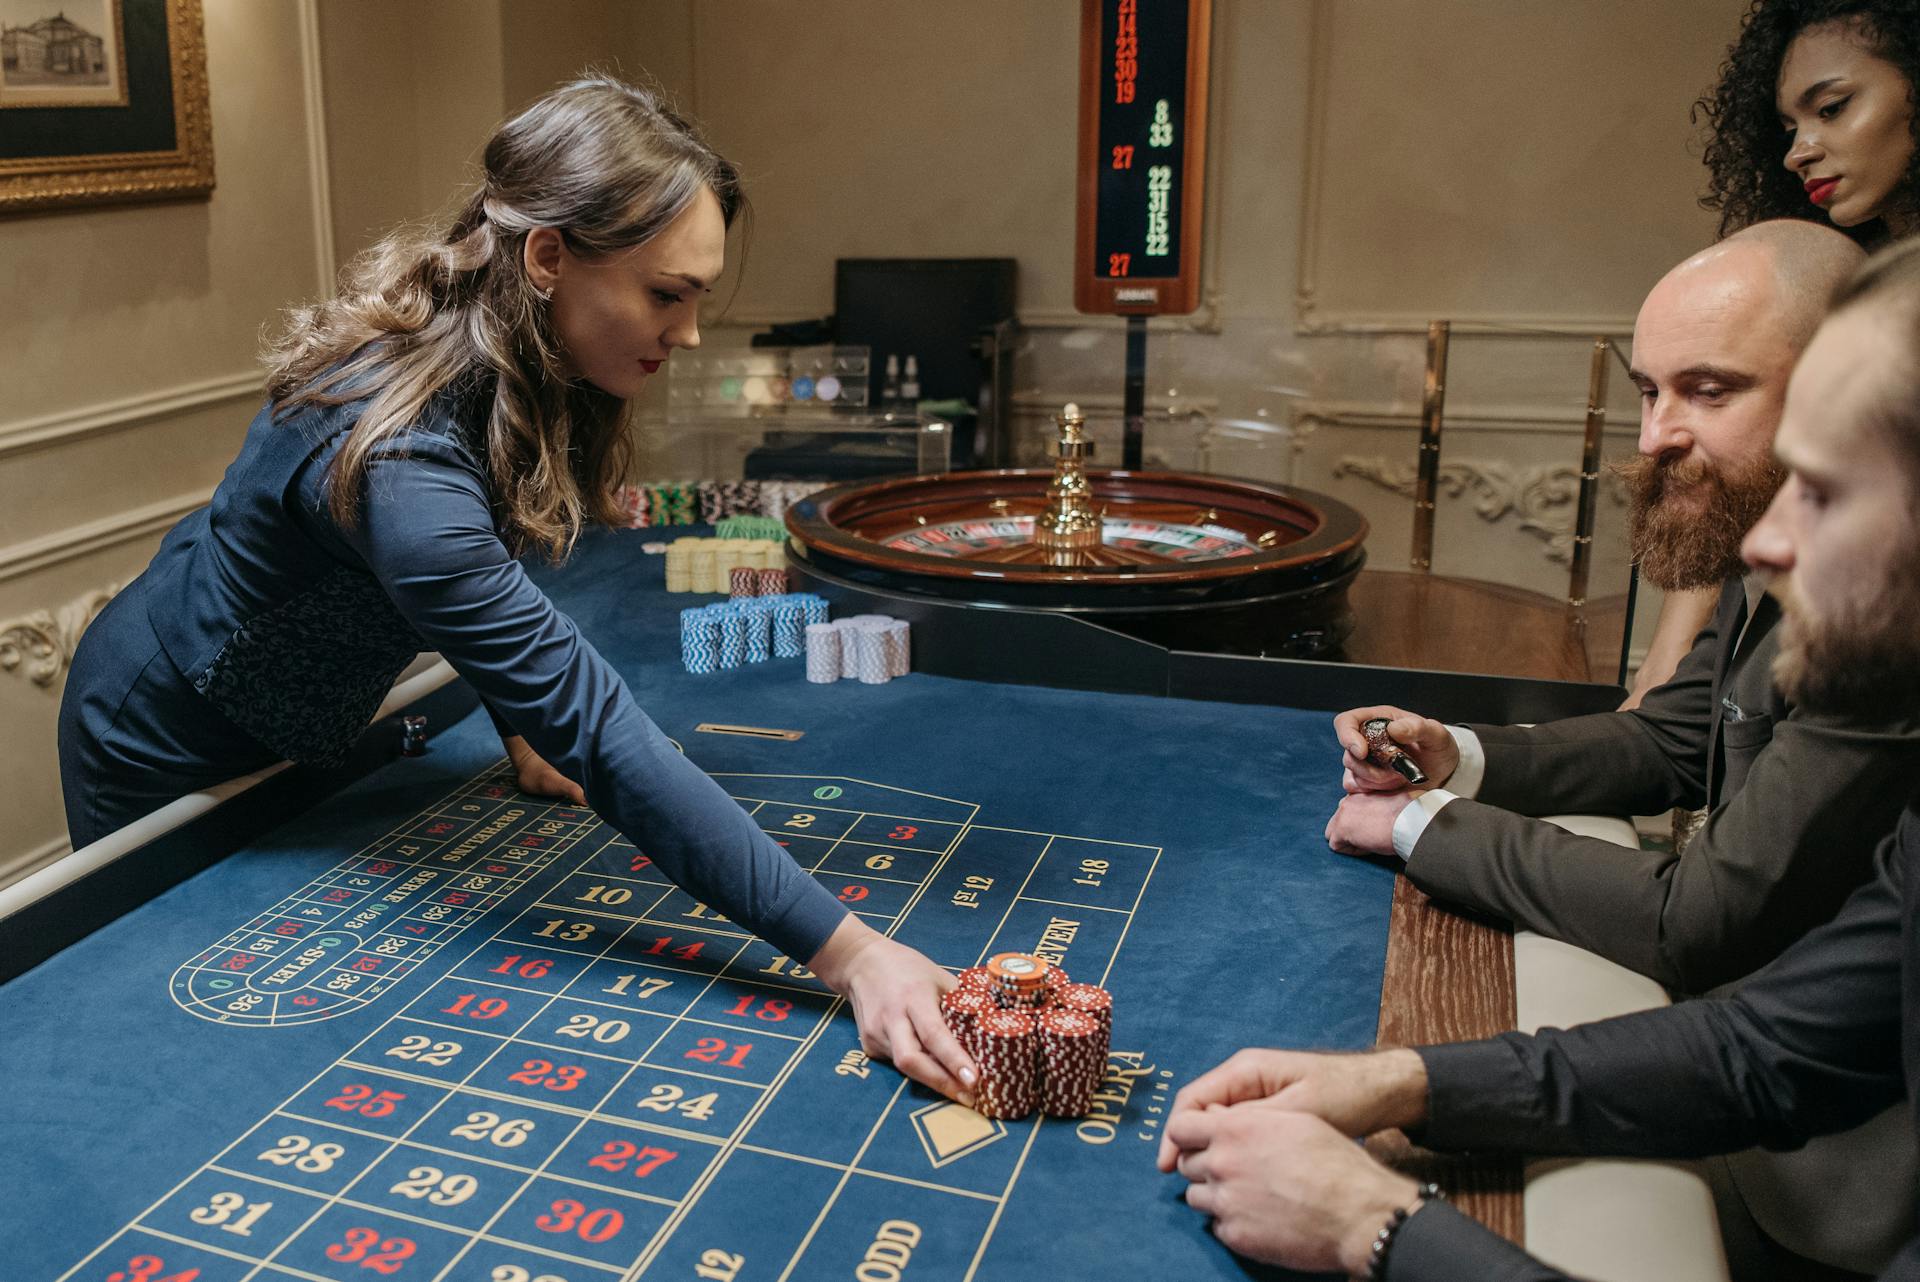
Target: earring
<point x="546" y="295"/>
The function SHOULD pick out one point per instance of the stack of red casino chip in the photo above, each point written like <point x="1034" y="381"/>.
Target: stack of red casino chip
<point x="1019" y="980"/>
<point x="1073" y="1058"/>
<point x="975" y="977"/>
<point x="1009" y="1064"/>
<point x="1092" y="1000"/>
<point x="963" y="1008"/>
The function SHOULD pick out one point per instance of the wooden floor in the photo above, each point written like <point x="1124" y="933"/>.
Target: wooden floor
<point x="1450" y="977"/>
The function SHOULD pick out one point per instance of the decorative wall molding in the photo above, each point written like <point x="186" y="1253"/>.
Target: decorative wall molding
<point x="79" y="540"/>
<point x="40" y="645"/>
<point x="1541" y="499"/>
<point x="114" y="416"/>
<point x="319" y="175"/>
<point x="1532" y="420"/>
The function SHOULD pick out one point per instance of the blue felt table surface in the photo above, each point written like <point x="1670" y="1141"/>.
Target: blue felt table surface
<point x="1241" y="928"/>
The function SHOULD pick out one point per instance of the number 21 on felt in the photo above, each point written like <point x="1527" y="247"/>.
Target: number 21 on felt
<point x="710" y="1049"/>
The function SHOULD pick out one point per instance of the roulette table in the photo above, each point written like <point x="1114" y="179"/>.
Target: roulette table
<point x="418" y="1025"/>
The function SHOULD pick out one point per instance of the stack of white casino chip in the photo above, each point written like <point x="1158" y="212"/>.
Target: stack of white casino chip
<point x="870" y="648"/>
<point x="823" y="653"/>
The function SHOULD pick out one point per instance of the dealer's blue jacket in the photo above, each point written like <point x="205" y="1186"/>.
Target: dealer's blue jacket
<point x="265" y="629"/>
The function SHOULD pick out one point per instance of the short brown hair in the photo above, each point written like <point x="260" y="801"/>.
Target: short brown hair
<point x="1889" y="282"/>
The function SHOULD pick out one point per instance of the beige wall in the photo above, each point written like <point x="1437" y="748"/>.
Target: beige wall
<point x="1374" y="163"/>
<point x="131" y="379"/>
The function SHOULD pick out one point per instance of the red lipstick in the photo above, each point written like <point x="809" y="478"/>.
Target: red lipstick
<point x="1820" y="190"/>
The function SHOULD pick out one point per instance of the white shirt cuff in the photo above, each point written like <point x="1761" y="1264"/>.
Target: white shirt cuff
<point x="1467" y="776"/>
<point x="1415" y="817"/>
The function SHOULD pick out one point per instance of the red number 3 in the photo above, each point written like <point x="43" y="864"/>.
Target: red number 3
<point x="905" y="832"/>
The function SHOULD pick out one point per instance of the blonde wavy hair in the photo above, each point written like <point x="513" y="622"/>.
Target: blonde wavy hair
<point x="605" y="163"/>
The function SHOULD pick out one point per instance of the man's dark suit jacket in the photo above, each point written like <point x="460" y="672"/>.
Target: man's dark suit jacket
<point x="1796" y="804"/>
<point x="1819" y="1041"/>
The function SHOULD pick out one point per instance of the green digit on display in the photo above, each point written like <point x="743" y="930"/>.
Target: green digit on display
<point x="826" y="793"/>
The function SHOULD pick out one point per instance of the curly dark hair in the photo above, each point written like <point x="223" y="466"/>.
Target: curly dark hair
<point x="1745" y="144"/>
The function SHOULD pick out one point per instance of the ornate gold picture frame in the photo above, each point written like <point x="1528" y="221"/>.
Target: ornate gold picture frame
<point x="102" y="102"/>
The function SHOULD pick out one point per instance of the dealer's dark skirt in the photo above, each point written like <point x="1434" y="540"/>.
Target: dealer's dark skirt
<point x="134" y="733"/>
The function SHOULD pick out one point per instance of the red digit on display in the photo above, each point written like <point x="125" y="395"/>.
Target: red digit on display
<point x="640" y="862"/>
<point x="484" y="1008"/>
<point x="852" y="894"/>
<point x="1123" y="157"/>
<point x="903" y="832"/>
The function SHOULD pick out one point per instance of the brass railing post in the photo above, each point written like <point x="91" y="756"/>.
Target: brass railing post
<point x="1432" y="411"/>
<point x="1589" y="475"/>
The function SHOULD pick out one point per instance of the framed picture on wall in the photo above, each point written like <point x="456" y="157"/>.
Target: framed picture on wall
<point x="102" y="101"/>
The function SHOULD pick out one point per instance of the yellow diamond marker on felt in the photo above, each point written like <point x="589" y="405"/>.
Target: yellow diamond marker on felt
<point x="950" y="1131"/>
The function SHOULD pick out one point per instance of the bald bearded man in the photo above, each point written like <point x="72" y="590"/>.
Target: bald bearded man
<point x="1797" y="799"/>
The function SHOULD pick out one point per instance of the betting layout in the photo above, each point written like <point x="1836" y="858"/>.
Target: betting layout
<point x="621" y="1083"/>
<point x="356" y="930"/>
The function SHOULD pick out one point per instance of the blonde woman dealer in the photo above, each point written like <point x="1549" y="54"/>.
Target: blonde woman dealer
<point x="456" y="405"/>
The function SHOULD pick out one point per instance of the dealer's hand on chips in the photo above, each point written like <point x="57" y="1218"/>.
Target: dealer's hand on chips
<point x="895" y="993"/>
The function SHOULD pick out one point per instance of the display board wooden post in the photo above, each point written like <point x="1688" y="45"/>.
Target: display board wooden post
<point x="1143" y="130"/>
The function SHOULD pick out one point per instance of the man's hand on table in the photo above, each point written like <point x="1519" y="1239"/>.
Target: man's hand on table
<point x="1357" y="1094"/>
<point x="1422" y="738"/>
<point x="895" y="993"/>
<point x="1266" y="1141"/>
<point x="1286" y="1188"/>
<point x="1362" y="824"/>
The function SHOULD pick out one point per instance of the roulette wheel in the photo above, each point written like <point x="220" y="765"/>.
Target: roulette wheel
<point x="1181" y="559"/>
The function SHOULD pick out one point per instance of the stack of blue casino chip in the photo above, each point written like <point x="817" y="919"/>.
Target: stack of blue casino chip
<point x="699" y="640"/>
<point x="733" y="638"/>
<point x="789" y="628"/>
<point x="757" y="617"/>
<point x="728" y="634"/>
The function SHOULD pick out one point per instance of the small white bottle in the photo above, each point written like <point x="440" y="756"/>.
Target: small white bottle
<point x="910" y="387"/>
<point x="890" y="386"/>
